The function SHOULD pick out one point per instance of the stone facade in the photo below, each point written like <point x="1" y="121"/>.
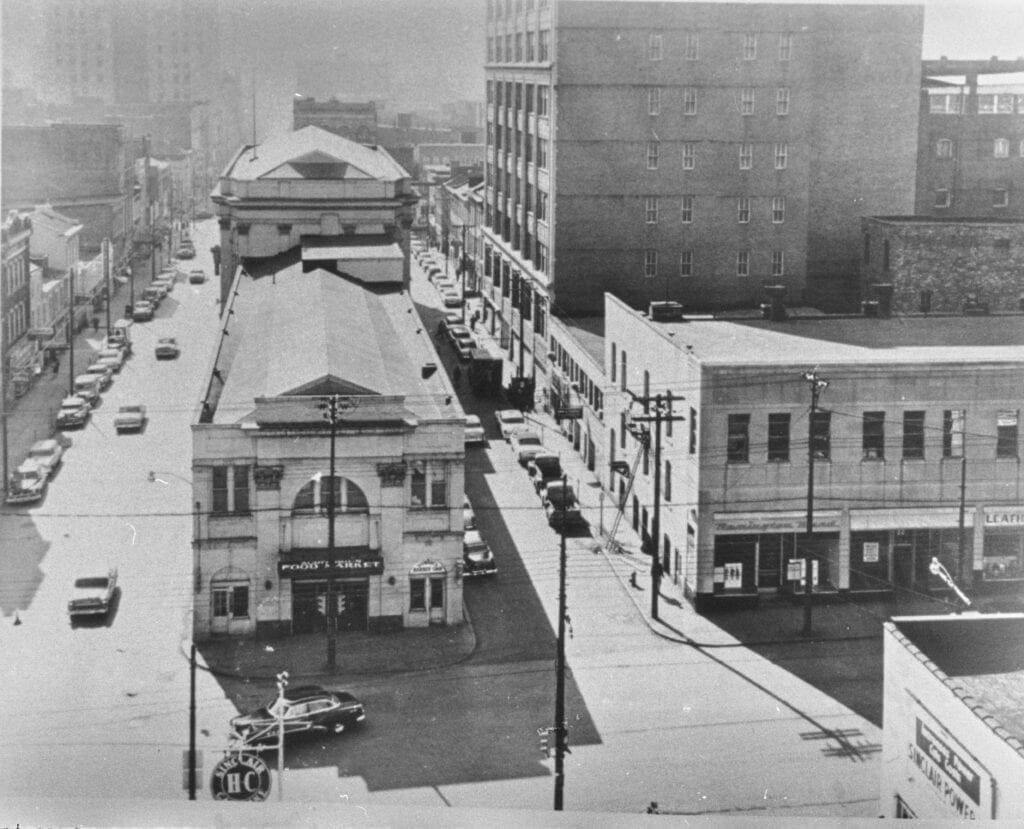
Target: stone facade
<point x="945" y="261"/>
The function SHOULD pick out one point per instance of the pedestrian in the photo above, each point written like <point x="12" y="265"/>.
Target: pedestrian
<point x="95" y="324"/>
<point x="457" y="375"/>
<point x="56" y="366"/>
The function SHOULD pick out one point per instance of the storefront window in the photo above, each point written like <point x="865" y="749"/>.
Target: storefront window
<point x="417" y="594"/>
<point x="1003" y="554"/>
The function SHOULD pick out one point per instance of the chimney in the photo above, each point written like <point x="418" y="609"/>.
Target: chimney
<point x="775" y="308"/>
<point x="665" y="312"/>
<point x="883" y="294"/>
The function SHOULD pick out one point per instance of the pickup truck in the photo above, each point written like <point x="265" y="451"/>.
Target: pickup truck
<point x="93" y="595"/>
<point x="130" y="418"/>
<point x="27" y="483"/>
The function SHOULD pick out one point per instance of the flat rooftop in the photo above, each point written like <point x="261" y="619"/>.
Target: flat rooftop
<point x="839" y="340"/>
<point x="588" y="332"/>
<point x="981" y="655"/>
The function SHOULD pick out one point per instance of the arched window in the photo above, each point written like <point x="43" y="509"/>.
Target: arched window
<point x="314" y="495"/>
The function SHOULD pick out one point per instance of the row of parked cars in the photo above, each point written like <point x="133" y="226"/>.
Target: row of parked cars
<point x="544" y="468"/>
<point x="433" y="263"/>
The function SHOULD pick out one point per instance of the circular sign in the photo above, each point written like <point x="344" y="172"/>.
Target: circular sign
<point x="241" y="777"/>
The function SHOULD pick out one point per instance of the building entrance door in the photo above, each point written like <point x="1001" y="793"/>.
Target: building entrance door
<point x="309" y="604"/>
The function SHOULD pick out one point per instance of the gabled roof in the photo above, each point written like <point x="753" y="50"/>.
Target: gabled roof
<point x="314" y="153"/>
<point x="45" y="216"/>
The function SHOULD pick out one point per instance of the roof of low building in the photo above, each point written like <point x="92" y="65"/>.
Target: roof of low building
<point x="296" y="332"/>
<point x="314" y="153"/>
<point x="45" y="216"/>
<point x="589" y="333"/>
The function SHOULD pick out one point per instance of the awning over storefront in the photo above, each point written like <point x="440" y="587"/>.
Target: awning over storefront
<point x="774" y="522"/>
<point x="315" y="563"/>
<point x="908" y="519"/>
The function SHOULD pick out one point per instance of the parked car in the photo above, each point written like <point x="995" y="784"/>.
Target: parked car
<point x="196" y="276"/>
<point x="27" y="483"/>
<point x="457" y="330"/>
<point x="113" y="357"/>
<point x="142" y="311"/>
<point x="474" y="430"/>
<point x="104" y="372"/>
<point x="465" y="346"/>
<point x="451" y="299"/>
<point x="185" y="252"/>
<point x="48" y="454"/>
<point x="468" y="516"/>
<point x="544" y="468"/>
<point x="509" y="421"/>
<point x="444" y="284"/>
<point x="477" y="558"/>
<point x="526" y="444"/>
<point x="87" y="386"/>
<point x="451" y="319"/>
<point x="307" y="709"/>
<point x="561" y="505"/>
<point x="93" y="596"/>
<point x="167" y="347"/>
<point x="154" y="295"/>
<point x="165" y="282"/>
<point x="130" y="418"/>
<point x="74" y="411"/>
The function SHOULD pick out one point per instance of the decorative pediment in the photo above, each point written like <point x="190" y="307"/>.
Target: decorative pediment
<point x="268" y="477"/>
<point x="327" y="385"/>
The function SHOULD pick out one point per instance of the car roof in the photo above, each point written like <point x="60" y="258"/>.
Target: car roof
<point x="472" y="420"/>
<point x="510" y="414"/>
<point x="167" y="340"/>
<point x="525" y="434"/>
<point x="73" y="400"/>
<point x="542" y="458"/>
<point x="49" y="444"/>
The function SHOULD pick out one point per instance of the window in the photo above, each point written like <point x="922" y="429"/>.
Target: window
<point x="782" y="100"/>
<point x="1001" y="148"/>
<point x="650" y="263"/>
<point x="230" y="600"/>
<point x="778" y="263"/>
<point x="781" y="156"/>
<point x="668" y="481"/>
<point x="614" y="360"/>
<point x="942" y="198"/>
<point x="873" y="436"/>
<point x="428" y="485"/>
<point x="654" y="47"/>
<point x="220" y="489"/>
<point x="953" y="421"/>
<point x="543" y="93"/>
<point x="1006" y="434"/>
<point x="654" y="100"/>
<point x="686" y="263"/>
<point x="651" y="210"/>
<point x="778" y="209"/>
<point x="743" y="263"/>
<point x="746" y="156"/>
<point x="747" y="101"/>
<point x="623" y="371"/>
<point x="689" y="155"/>
<point x="693" y="431"/>
<point x="692" y="47"/>
<point x="690" y="101"/>
<point x="652" y="155"/>
<point x="749" y="47"/>
<point x="738" y="441"/>
<point x="821" y="435"/>
<point x="785" y="46"/>
<point x="531" y="48"/>
<point x="241" y="487"/>
<point x="542" y="45"/>
<point x="519" y="48"/>
<point x="944" y="148"/>
<point x="687" y="212"/>
<point x="743" y="210"/>
<point x="885" y="254"/>
<point x="944" y="103"/>
<point x="913" y="435"/>
<point x="417" y="594"/>
<point x="778" y="437"/>
<point x="995" y="104"/>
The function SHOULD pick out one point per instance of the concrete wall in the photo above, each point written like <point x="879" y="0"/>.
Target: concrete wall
<point x="951" y="259"/>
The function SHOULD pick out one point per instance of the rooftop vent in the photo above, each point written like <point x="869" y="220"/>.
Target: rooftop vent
<point x="428" y="370"/>
<point x="775" y="308"/>
<point x="666" y="312"/>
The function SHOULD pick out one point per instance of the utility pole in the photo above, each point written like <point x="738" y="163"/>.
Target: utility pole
<point x="192" y="724"/>
<point x="462" y="265"/>
<point x="71" y="331"/>
<point x="817" y="387"/>
<point x="560" y="664"/>
<point x="963" y="506"/>
<point x="332" y="407"/>
<point x="106" y="278"/>
<point x="662" y="414"/>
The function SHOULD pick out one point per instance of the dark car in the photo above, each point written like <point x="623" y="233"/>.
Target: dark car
<point x="544" y="468"/>
<point x="307" y="709"/>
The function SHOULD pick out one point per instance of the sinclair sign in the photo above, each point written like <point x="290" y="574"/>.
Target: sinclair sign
<point x="240" y="777"/>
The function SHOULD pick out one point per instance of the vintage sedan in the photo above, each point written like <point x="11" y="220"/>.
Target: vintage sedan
<point x="167" y="348"/>
<point x="509" y="421"/>
<point x="526" y="445"/>
<point x="74" y="411"/>
<point x="93" y="595"/>
<point x="104" y="372"/>
<point x="308" y="709"/>
<point x="113" y="357"/>
<point x="48" y="454"/>
<point x="474" y="431"/>
<point x="142" y="311"/>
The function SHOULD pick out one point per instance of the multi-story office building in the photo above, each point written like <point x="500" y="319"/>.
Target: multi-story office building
<point x="355" y="120"/>
<point x="688" y="151"/>
<point x="16" y="349"/>
<point x="971" y="144"/>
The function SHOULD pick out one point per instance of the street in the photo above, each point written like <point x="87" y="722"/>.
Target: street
<point x="702" y="727"/>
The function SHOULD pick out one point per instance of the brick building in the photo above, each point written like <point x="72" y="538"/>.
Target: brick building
<point x="936" y="265"/>
<point x="17" y="351"/>
<point x="355" y="120"/>
<point x="689" y="151"/>
<point x="971" y="140"/>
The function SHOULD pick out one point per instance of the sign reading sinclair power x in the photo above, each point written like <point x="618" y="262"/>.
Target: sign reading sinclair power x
<point x="240" y="777"/>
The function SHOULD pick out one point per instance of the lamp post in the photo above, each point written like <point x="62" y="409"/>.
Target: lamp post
<point x="282" y="683"/>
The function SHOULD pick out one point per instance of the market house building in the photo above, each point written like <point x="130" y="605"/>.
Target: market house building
<point x="953" y="729"/>
<point x="915" y="408"/>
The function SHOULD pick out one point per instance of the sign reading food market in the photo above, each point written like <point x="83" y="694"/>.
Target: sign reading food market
<point x="321" y="565"/>
<point x="240" y="777"/>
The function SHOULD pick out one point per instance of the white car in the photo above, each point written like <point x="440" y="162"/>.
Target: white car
<point x="48" y="454"/>
<point x="451" y="299"/>
<point x="468" y="516"/>
<point x="113" y="357"/>
<point x="509" y="421"/>
<point x="474" y="430"/>
<point x="130" y="418"/>
<point x="104" y="371"/>
<point x="526" y="445"/>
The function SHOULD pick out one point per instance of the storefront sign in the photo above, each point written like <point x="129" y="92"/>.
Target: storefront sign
<point x="427" y="568"/>
<point x="320" y="566"/>
<point x="569" y="413"/>
<point x="733" y="575"/>
<point x="948" y="770"/>
<point x="240" y="777"/>
<point x="870" y="552"/>
<point x="1004" y="517"/>
<point x="795" y="568"/>
<point x="779" y="522"/>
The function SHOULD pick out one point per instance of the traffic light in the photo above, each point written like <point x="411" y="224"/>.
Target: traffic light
<point x="321" y="604"/>
<point x="545" y="741"/>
